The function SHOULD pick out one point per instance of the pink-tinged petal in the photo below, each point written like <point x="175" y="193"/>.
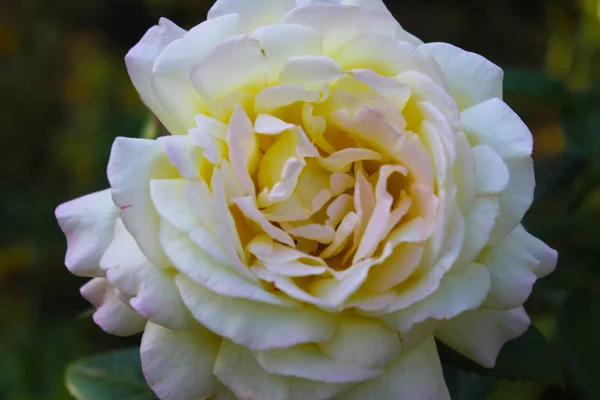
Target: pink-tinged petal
<point x="472" y="78"/>
<point x="150" y="289"/>
<point x="112" y="315"/>
<point x="270" y="125"/>
<point x="308" y="362"/>
<point x="514" y="264"/>
<point x="171" y="74"/>
<point x="253" y="13"/>
<point x="480" y="334"/>
<point x="237" y="368"/>
<point x="178" y="365"/>
<point x="311" y="72"/>
<point x="203" y="267"/>
<point x="363" y="341"/>
<point x="495" y="124"/>
<point x="182" y="153"/>
<point x="416" y="375"/>
<point x="140" y="61"/>
<point x="257" y="326"/>
<point x="133" y="163"/>
<point x="457" y="293"/>
<point x="221" y="73"/>
<point x="350" y="22"/>
<point x="243" y="149"/>
<point x="88" y="224"/>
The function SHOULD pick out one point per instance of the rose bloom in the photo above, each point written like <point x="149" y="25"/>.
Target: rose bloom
<point x="333" y="195"/>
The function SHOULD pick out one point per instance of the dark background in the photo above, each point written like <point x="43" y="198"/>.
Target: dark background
<point x="65" y="95"/>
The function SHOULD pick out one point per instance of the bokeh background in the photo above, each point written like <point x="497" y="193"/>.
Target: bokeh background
<point x="65" y="95"/>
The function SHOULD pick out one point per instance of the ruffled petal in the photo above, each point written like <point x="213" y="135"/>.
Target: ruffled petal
<point x="178" y="365"/>
<point x="112" y="315"/>
<point x="480" y="334"/>
<point x="88" y="223"/>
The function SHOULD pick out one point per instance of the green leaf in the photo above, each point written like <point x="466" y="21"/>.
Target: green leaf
<point x="578" y="336"/>
<point x="535" y="85"/>
<point x="527" y="358"/>
<point x="467" y="386"/>
<point x="110" y="376"/>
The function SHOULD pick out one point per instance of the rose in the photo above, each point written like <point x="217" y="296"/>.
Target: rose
<point x="333" y="196"/>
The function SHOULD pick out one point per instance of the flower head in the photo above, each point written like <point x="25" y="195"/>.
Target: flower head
<point x="333" y="195"/>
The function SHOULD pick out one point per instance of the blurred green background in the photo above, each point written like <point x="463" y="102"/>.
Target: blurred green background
<point x="66" y="96"/>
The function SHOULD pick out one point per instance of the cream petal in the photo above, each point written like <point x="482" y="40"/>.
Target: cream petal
<point x="479" y="223"/>
<point x="464" y="173"/>
<point x="243" y="149"/>
<point x="480" y="334"/>
<point x="362" y="341"/>
<point x="338" y="209"/>
<point x="183" y="155"/>
<point x="319" y="233"/>
<point x="350" y="22"/>
<point x="389" y="88"/>
<point x="395" y="269"/>
<point x="415" y="375"/>
<point x="274" y="97"/>
<point x="472" y="78"/>
<point x="267" y="124"/>
<point x="199" y="199"/>
<point x="456" y="294"/>
<point x="342" y="235"/>
<point x="425" y="88"/>
<point x="492" y="174"/>
<point x="373" y="126"/>
<point x="133" y="163"/>
<point x="495" y="124"/>
<point x="253" y="13"/>
<point x="203" y="269"/>
<point x="283" y="41"/>
<point x="342" y="161"/>
<point x="513" y="267"/>
<point x="237" y="368"/>
<point x="221" y="73"/>
<point x="88" y="224"/>
<point x="150" y="289"/>
<point x="171" y="73"/>
<point x="540" y="250"/>
<point x="248" y="207"/>
<point x="140" y="62"/>
<point x="311" y="72"/>
<point x="306" y="361"/>
<point x="339" y="183"/>
<point x="168" y="197"/>
<point x="112" y="315"/>
<point x="257" y="326"/>
<point x="178" y="365"/>
<point x="515" y="199"/>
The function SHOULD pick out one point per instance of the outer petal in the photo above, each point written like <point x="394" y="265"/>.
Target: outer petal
<point x="237" y="369"/>
<point x="456" y="294"/>
<point x="416" y="375"/>
<point x="513" y="265"/>
<point x="178" y="364"/>
<point x="255" y="325"/>
<point x="140" y="61"/>
<point x="171" y="74"/>
<point x="480" y="334"/>
<point x="253" y="13"/>
<point x="112" y="315"/>
<point x="362" y="341"/>
<point x="495" y="124"/>
<point x="133" y="162"/>
<point x="88" y="223"/>
<point x="471" y="78"/>
<point x="152" y="290"/>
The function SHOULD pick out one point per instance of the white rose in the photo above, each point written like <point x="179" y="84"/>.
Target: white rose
<point x="333" y="196"/>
